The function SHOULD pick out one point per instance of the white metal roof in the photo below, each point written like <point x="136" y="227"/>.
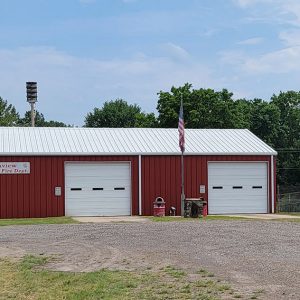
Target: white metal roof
<point x="116" y="141"/>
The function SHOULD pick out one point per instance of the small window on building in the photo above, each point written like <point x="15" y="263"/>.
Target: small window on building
<point x="236" y="187"/>
<point x="119" y="188"/>
<point x="217" y="187"/>
<point x="76" y="189"/>
<point x="257" y="187"/>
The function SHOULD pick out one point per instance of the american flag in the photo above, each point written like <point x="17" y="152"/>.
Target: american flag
<point x="181" y="129"/>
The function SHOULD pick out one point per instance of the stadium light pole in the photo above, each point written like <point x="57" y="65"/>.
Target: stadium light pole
<point x="31" y="89"/>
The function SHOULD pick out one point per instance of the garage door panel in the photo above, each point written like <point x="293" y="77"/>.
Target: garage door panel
<point x="100" y="177"/>
<point x="230" y="189"/>
<point x="226" y="184"/>
<point x="242" y="198"/>
<point x="91" y="205"/>
<point x="246" y="179"/>
<point x="235" y="165"/>
<point x="236" y="200"/>
<point x="240" y="210"/>
<point x="102" y="213"/>
<point x="235" y="171"/>
<point x="228" y="197"/>
<point x="101" y="184"/>
<point x="98" y="189"/>
<point x="101" y="198"/>
<point x="93" y="179"/>
<point x="92" y="168"/>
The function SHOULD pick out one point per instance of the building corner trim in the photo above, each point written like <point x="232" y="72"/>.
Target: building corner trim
<point x="272" y="184"/>
<point x="140" y="185"/>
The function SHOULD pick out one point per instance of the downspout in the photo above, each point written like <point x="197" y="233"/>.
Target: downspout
<point x="140" y="185"/>
<point x="272" y="184"/>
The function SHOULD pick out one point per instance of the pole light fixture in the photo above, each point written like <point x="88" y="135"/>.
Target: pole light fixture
<point x="31" y="89"/>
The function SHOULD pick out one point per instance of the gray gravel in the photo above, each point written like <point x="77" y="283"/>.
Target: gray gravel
<point x="250" y="255"/>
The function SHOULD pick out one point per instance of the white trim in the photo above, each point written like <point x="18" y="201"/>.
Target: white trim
<point x="135" y="153"/>
<point x="272" y="185"/>
<point x="140" y="185"/>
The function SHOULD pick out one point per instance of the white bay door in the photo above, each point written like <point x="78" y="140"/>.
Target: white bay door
<point x="237" y="187"/>
<point x="98" y="189"/>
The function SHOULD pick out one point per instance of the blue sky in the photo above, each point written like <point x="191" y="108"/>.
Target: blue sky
<point x="84" y="52"/>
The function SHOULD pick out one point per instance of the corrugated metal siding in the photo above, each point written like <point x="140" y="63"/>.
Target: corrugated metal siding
<point x="161" y="177"/>
<point x="128" y="141"/>
<point x="32" y="195"/>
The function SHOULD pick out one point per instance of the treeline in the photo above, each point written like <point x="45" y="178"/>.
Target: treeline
<point x="276" y="121"/>
<point x="10" y="117"/>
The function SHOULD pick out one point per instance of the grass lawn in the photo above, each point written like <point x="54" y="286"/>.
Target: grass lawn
<point x="29" y="279"/>
<point x="226" y="218"/>
<point x="295" y="220"/>
<point x="35" y="221"/>
<point x="290" y="213"/>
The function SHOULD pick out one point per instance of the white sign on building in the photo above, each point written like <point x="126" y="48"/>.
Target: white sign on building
<point x="14" y="168"/>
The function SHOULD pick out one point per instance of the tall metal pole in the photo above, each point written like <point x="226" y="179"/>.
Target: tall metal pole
<point x="182" y="185"/>
<point x="182" y="173"/>
<point x="32" y="115"/>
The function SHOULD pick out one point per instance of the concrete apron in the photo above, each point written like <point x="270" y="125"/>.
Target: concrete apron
<point x="119" y="219"/>
<point x="265" y="216"/>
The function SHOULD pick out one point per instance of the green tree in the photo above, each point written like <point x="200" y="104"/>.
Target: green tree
<point x="119" y="113"/>
<point x="265" y="121"/>
<point x="39" y="121"/>
<point x="288" y="141"/>
<point x="203" y="108"/>
<point x="145" y="120"/>
<point x="8" y="114"/>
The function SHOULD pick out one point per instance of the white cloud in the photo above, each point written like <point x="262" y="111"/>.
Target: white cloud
<point x="272" y="11"/>
<point x="175" y="51"/>
<point x="281" y="61"/>
<point x="252" y="41"/>
<point x="247" y="3"/>
<point x="285" y="56"/>
<point x="290" y="37"/>
<point x="276" y="62"/>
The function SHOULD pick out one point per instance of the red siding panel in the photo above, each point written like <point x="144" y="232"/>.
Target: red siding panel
<point x="161" y="177"/>
<point x="32" y="195"/>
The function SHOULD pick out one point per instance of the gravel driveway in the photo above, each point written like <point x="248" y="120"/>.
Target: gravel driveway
<point x="248" y="254"/>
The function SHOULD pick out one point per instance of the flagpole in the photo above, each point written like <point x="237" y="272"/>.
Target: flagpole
<point x="182" y="172"/>
<point x="182" y="185"/>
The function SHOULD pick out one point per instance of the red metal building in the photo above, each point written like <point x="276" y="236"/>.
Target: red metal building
<point x="82" y="171"/>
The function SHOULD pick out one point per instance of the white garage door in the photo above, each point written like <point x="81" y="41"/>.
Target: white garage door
<point x="237" y="188"/>
<point x="98" y="189"/>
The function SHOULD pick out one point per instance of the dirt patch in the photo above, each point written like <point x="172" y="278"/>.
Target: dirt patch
<point x="12" y="252"/>
<point x="251" y="256"/>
